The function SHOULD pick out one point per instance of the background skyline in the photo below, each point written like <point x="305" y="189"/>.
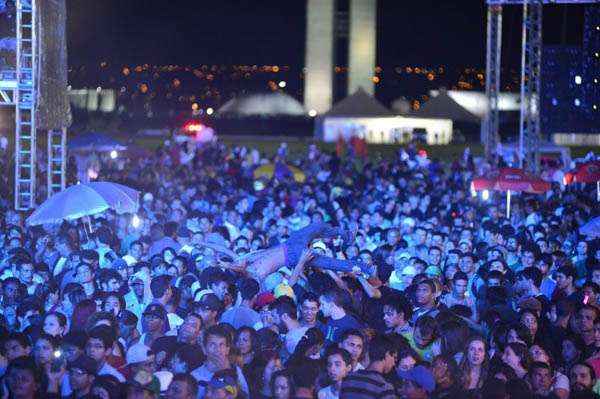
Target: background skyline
<point x="427" y="32"/>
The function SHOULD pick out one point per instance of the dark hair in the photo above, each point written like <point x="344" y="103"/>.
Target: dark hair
<point x="336" y="296"/>
<point x="522" y="353"/>
<point x="379" y="347"/>
<point x="26" y="363"/>
<point x="159" y="285"/>
<point x="218" y="330"/>
<point x="54" y="341"/>
<point x="534" y="274"/>
<point x="248" y="288"/>
<point x="62" y="320"/>
<point x="568" y="271"/>
<point x="190" y="381"/>
<point x="284" y="306"/>
<point x="336" y="350"/>
<point x="400" y="304"/>
<point x="82" y="312"/>
<point x="285" y="373"/>
<point x="104" y="334"/>
<point x="21" y="338"/>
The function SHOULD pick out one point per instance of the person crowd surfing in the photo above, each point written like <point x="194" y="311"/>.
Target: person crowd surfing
<point x="369" y="279"/>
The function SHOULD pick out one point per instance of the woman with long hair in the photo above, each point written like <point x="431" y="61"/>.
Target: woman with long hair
<point x="447" y="377"/>
<point x="516" y="357"/>
<point x="474" y="363"/>
<point x="282" y="385"/>
<point x="55" y="324"/>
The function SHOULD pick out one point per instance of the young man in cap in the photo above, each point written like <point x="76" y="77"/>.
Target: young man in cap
<point x="417" y="383"/>
<point x="208" y="308"/>
<point x="82" y="373"/>
<point x="154" y="324"/>
<point x="222" y="385"/>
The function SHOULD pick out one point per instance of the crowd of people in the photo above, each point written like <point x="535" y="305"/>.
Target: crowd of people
<point x="370" y="279"/>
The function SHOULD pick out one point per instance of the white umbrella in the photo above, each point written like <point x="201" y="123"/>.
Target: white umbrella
<point x="85" y="200"/>
<point x="591" y="228"/>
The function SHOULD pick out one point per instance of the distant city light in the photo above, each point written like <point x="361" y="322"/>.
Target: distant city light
<point x="312" y="113"/>
<point x="114" y="154"/>
<point x="578" y="80"/>
<point x="282" y="84"/>
<point x="577" y="102"/>
<point x="209" y="111"/>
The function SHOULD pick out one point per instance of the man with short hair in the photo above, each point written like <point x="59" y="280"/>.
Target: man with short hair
<point x="243" y="315"/>
<point x="82" y="373"/>
<point x="183" y="386"/>
<point x="16" y="345"/>
<point x="309" y="309"/>
<point x="217" y="345"/>
<point x="285" y="317"/>
<point x="425" y="300"/>
<point x="371" y="383"/>
<point x="99" y="346"/>
<point x="540" y="378"/>
<point x="339" y="365"/>
<point x="583" y="379"/>
<point x="355" y="343"/>
<point x="332" y="306"/>
<point x="397" y="312"/>
<point x="565" y="284"/>
<point x="208" y="308"/>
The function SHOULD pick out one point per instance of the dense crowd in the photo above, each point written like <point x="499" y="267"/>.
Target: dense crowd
<point x="370" y="279"/>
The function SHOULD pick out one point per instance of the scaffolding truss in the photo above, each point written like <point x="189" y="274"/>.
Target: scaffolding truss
<point x="24" y="97"/>
<point x="529" y="129"/>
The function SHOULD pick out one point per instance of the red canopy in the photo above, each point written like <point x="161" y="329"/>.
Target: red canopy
<point x="512" y="179"/>
<point x="588" y="172"/>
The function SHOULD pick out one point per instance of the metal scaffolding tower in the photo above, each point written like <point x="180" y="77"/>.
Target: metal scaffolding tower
<point x="57" y="161"/>
<point x="529" y="131"/>
<point x="489" y="127"/>
<point x="25" y="97"/>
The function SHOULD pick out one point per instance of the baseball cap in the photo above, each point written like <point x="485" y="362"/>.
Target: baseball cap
<point x="421" y="376"/>
<point x="154" y="309"/>
<point x="85" y="363"/>
<point x="138" y="353"/>
<point x="226" y="382"/>
<point x="210" y="301"/>
<point x="284" y="290"/>
<point x="263" y="299"/>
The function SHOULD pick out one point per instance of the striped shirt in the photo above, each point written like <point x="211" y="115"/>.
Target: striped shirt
<point x="366" y="384"/>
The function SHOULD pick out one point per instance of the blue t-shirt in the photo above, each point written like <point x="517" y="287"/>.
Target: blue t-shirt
<point x="334" y="329"/>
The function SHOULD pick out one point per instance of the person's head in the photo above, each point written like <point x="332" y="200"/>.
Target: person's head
<point x="425" y="293"/>
<point x="529" y="319"/>
<point x="396" y="312"/>
<point x="23" y="378"/>
<point x="25" y="270"/>
<point x="476" y="351"/>
<point x="44" y="349"/>
<point x="459" y="284"/>
<point x="73" y="345"/>
<point x="190" y="329"/>
<point x="217" y="283"/>
<point x="339" y="363"/>
<point x="113" y="303"/>
<point x="154" y="319"/>
<point x="160" y="286"/>
<point x="183" y="386"/>
<point x="16" y="345"/>
<point x="55" y="324"/>
<point x="582" y="377"/>
<point x="565" y="277"/>
<point x="217" y="342"/>
<point x="100" y="343"/>
<point x="445" y="370"/>
<point x="84" y="273"/>
<point x="332" y="301"/>
<point x="82" y="373"/>
<point x="381" y="349"/>
<point x="106" y="387"/>
<point x="516" y="356"/>
<point x="309" y="308"/>
<point x="540" y="377"/>
<point x="571" y="347"/>
<point x="586" y="316"/>
<point x="425" y="330"/>
<point x="110" y="280"/>
<point x="245" y="340"/>
<point x="282" y="384"/>
<point x="354" y="342"/>
<point x="208" y="308"/>
<point x="417" y="383"/>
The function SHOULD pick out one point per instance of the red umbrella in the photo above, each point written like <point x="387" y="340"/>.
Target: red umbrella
<point x="588" y="172"/>
<point x="510" y="179"/>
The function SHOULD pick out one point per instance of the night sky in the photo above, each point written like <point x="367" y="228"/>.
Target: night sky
<point x="426" y="32"/>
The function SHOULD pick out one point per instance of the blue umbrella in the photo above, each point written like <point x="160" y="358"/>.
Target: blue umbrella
<point x="591" y="228"/>
<point x="85" y="200"/>
<point x="94" y="141"/>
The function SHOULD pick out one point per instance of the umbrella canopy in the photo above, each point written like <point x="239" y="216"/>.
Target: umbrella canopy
<point x="511" y="179"/>
<point x="591" y="228"/>
<point x="588" y="172"/>
<point x="85" y="200"/>
<point x="94" y="141"/>
<point x="280" y="171"/>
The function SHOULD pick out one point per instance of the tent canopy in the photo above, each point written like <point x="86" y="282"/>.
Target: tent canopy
<point x="444" y="107"/>
<point x="359" y="104"/>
